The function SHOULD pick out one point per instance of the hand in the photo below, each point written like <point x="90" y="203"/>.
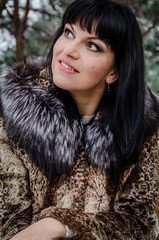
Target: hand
<point x="45" y="229"/>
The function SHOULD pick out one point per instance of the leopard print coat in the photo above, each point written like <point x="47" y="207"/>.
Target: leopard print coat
<point x="91" y="203"/>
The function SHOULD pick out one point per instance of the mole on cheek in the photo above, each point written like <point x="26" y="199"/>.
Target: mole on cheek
<point x="92" y="67"/>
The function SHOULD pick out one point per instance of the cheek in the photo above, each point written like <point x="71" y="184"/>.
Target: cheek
<point x="95" y="70"/>
<point x="57" y="48"/>
<point x="98" y="72"/>
<point x="90" y="68"/>
<point x="92" y="74"/>
<point x="56" y="51"/>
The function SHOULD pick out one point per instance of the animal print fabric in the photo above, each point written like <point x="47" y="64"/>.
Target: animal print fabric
<point x="87" y="200"/>
<point x="94" y="205"/>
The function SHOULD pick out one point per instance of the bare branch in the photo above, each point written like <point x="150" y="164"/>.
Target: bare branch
<point x="43" y="11"/>
<point x="2" y="6"/>
<point x="24" y="21"/>
<point x="9" y="14"/>
<point x="16" y="21"/>
<point x="145" y="33"/>
<point x="30" y="47"/>
<point x="48" y="34"/>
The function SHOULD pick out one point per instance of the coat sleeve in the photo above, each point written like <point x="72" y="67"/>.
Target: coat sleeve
<point x="15" y="196"/>
<point x="133" y="211"/>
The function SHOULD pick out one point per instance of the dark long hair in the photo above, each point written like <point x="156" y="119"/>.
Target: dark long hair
<point x="116" y="24"/>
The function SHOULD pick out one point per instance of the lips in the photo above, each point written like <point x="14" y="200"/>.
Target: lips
<point x="67" y="67"/>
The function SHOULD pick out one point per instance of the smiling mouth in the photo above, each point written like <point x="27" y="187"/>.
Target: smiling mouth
<point x="67" y="66"/>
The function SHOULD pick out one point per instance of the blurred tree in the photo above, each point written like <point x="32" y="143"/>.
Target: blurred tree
<point x="15" y="22"/>
<point x="2" y="6"/>
<point x="147" y="13"/>
<point x="27" y="22"/>
<point x="149" y="23"/>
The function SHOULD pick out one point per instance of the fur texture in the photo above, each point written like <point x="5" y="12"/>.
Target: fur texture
<point x="37" y="120"/>
<point x="87" y="199"/>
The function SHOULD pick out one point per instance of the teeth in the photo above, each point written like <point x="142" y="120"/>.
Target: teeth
<point x="66" y="66"/>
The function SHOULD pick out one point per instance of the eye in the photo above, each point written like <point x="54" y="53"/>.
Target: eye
<point x="94" y="47"/>
<point x="68" y="33"/>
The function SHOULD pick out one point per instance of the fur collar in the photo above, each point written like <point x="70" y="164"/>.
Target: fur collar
<point x="37" y="120"/>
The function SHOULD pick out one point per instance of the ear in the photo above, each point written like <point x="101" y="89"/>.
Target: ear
<point x="112" y="77"/>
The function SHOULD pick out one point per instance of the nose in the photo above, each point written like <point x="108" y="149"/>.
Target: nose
<point x="72" y="50"/>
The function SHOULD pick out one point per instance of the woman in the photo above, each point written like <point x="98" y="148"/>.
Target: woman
<point x="80" y="132"/>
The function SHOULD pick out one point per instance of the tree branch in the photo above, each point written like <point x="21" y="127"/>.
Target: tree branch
<point x="43" y="11"/>
<point x="30" y="47"/>
<point x="43" y="30"/>
<point x="16" y="19"/>
<point x="9" y="14"/>
<point x="24" y="20"/>
<point x="2" y="6"/>
<point x="145" y="33"/>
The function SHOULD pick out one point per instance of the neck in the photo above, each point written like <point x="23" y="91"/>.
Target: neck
<point x="87" y="104"/>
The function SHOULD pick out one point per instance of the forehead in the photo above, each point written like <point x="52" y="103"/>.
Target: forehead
<point x="76" y="26"/>
<point x="85" y="25"/>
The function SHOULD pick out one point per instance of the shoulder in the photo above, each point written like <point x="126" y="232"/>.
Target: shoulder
<point x="32" y="112"/>
<point x="23" y="73"/>
<point x="26" y="92"/>
<point x="150" y="149"/>
<point x="20" y="81"/>
<point x="26" y="69"/>
<point x="151" y="113"/>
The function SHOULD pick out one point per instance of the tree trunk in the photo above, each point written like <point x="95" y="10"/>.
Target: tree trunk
<point x="19" y="28"/>
<point x="19" y="53"/>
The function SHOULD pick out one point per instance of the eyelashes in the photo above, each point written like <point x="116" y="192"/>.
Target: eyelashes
<point x="92" y="46"/>
<point x="68" y="33"/>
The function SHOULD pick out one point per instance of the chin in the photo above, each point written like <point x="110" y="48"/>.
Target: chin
<point x="62" y="85"/>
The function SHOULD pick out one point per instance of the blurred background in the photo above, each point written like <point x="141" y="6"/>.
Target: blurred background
<point x="27" y="27"/>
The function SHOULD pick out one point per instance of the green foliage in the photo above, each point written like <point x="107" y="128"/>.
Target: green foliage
<point x="8" y="57"/>
<point x="152" y="74"/>
<point x="150" y="9"/>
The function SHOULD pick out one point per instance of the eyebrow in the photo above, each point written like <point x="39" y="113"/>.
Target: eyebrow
<point x="94" y="37"/>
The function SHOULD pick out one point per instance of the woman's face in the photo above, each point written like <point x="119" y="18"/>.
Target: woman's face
<point x="81" y="61"/>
